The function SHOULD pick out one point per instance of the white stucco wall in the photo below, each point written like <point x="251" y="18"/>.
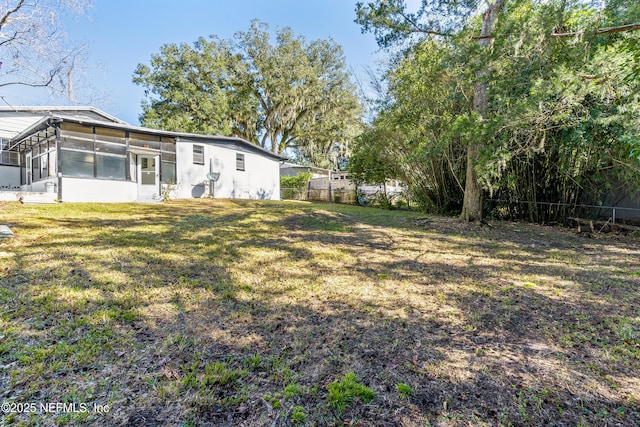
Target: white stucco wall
<point x="97" y="190"/>
<point x="39" y="186"/>
<point x="259" y="180"/>
<point x="9" y="178"/>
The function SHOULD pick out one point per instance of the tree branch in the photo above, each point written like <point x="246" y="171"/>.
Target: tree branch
<point x="419" y="29"/>
<point x="6" y="16"/>
<point x="600" y="31"/>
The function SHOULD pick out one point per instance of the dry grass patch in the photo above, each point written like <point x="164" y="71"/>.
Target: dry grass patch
<point x="271" y="313"/>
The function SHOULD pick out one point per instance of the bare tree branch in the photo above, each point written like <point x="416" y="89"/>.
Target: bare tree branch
<point x="34" y="51"/>
<point x="600" y="31"/>
<point x="6" y="16"/>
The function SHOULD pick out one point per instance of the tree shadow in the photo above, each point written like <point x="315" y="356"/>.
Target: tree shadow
<point x="421" y="308"/>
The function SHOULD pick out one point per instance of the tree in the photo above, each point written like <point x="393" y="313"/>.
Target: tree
<point x="281" y="94"/>
<point x="508" y="65"/>
<point x="33" y="50"/>
<point x="417" y="135"/>
<point x="389" y="20"/>
<point x="192" y="88"/>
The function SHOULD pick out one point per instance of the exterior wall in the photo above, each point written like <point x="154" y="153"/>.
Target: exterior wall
<point x="259" y="180"/>
<point x="9" y="178"/>
<point x="40" y="186"/>
<point x="294" y="170"/>
<point x="97" y="190"/>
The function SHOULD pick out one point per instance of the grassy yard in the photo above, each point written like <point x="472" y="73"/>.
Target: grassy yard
<point x="235" y="313"/>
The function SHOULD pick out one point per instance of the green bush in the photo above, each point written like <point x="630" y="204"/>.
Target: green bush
<point x="293" y="186"/>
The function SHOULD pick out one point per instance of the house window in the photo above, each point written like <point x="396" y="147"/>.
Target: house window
<point x="239" y="162"/>
<point x="198" y="155"/>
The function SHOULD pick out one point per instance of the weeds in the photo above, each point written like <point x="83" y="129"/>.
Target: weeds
<point x="404" y="390"/>
<point x="344" y="392"/>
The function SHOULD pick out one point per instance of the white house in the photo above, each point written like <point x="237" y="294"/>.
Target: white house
<point x="291" y="169"/>
<point x="83" y="154"/>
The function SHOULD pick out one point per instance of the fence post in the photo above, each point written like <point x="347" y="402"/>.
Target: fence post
<point x="614" y="215"/>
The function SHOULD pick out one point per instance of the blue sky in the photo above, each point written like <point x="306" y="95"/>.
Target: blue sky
<point x="121" y="34"/>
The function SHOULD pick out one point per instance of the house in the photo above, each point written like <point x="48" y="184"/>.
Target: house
<point x="291" y="169"/>
<point x="85" y="155"/>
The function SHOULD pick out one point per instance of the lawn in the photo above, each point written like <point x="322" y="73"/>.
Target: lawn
<point x="233" y="313"/>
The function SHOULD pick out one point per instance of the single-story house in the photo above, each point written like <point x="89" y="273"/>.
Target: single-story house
<point x="85" y="155"/>
<point x="291" y="169"/>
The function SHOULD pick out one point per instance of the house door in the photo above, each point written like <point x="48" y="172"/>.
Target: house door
<point x="28" y="168"/>
<point x="148" y="177"/>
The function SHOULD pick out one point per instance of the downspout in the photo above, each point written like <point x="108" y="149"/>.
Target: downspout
<point x="58" y="161"/>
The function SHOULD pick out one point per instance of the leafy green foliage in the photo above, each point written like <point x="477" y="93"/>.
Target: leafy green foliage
<point x="344" y="392"/>
<point x="278" y="91"/>
<point x="185" y="87"/>
<point x="562" y="121"/>
<point x="292" y="186"/>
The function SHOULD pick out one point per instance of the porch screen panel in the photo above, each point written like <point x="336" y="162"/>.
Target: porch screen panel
<point x="23" y="169"/>
<point x="111" y="167"/>
<point x="150" y="142"/>
<point x="168" y="172"/>
<point x="105" y="147"/>
<point x="75" y="130"/>
<point x="35" y="168"/>
<point x="110" y="141"/>
<point x="77" y="163"/>
<point x="44" y="165"/>
<point x="168" y="160"/>
<point x="53" y="164"/>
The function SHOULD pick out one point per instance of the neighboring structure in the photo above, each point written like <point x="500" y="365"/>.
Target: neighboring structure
<point x="330" y="186"/>
<point x="338" y="187"/>
<point x="291" y="169"/>
<point x="83" y="154"/>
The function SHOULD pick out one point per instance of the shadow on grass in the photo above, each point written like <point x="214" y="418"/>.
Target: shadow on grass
<point x="193" y="314"/>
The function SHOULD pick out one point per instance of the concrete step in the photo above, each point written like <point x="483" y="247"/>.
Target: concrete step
<point x="38" y="197"/>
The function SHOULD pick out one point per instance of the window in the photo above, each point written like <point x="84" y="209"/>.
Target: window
<point x="198" y="155"/>
<point x="239" y="162"/>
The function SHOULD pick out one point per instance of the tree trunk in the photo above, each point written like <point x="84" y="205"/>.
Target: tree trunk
<point x="472" y="205"/>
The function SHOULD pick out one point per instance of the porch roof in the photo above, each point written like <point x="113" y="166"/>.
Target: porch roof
<point x="225" y="141"/>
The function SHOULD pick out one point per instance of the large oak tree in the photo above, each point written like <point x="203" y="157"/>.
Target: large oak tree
<point x="277" y="90"/>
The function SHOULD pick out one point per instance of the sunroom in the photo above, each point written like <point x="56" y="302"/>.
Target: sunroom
<point x="95" y="162"/>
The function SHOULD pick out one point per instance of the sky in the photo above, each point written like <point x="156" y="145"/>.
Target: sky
<point x="120" y="34"/>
